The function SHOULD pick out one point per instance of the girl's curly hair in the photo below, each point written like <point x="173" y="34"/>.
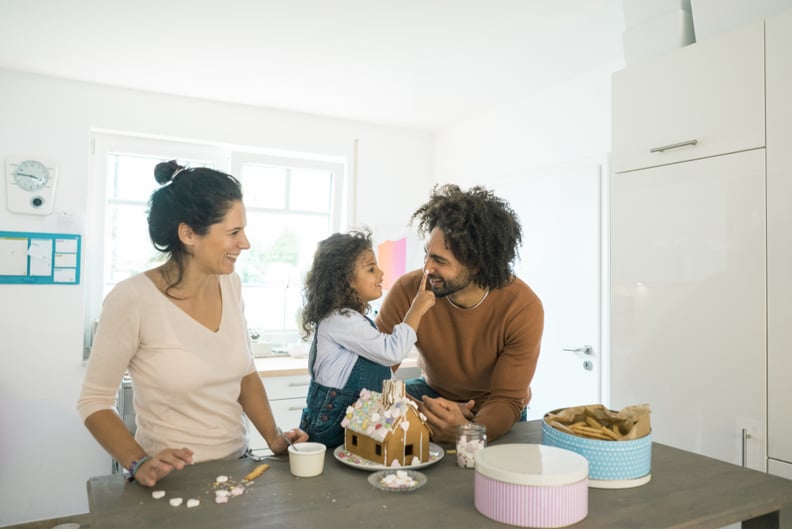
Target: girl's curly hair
<point x="326" y="287"/>
<point x="481" y="230"/>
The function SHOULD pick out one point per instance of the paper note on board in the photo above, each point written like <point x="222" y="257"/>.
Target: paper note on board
<point x="68" y="260"/>
<point x="40" y="253"/>
<point x="64" y="275"/>
<point x="13" y="256"/>
<point x="66" y="245"/>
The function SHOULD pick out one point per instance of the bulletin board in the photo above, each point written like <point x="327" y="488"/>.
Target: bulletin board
<point x="39" y="258"/>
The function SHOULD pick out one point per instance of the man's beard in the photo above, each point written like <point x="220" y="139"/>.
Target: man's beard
<point x="449" y="286"/>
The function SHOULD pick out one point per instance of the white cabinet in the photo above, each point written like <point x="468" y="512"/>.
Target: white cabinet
<point x="687" y="299"/>
<point x="779" y="468"/>
<point x="287" y="399"/>
<point x="779" y="241"/>
<point x="287" y="386"/>
<point x="688" y="249"/>
<point x="710" y="92"/>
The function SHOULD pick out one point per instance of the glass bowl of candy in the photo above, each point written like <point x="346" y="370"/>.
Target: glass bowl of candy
<point x="397" y="480"/>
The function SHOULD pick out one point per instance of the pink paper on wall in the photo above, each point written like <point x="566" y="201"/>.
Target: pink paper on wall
<point x="392" y="259"/>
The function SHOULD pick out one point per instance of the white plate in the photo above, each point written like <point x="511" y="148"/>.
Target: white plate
<point x="436" y="453"/>
<point x="377" y="479"/>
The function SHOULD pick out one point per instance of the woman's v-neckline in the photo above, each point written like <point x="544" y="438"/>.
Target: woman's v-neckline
<point x="186" y="314"/>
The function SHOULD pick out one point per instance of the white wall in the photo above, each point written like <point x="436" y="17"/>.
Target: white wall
<point x="46" y="454"/>
<point x="567" y="122"/>
<point x="561" y="127"/>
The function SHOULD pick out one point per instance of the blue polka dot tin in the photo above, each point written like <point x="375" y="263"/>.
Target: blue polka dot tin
<point x="612" y="464"/>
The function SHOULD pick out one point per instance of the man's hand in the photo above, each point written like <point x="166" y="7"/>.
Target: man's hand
<point x="444" y="416"/>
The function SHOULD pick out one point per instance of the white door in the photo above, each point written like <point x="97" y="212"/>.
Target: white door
<point x="561" y="260"/>
<point x="688" y="303"/>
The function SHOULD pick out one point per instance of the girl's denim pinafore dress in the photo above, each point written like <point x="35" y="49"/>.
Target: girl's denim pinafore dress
<point x="326" y="406"/>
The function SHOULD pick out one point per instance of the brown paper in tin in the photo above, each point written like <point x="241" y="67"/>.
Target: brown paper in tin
<point x="633" y="421"/>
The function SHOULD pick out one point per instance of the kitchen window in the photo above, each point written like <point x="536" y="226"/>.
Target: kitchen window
<point x="292" y="203"/>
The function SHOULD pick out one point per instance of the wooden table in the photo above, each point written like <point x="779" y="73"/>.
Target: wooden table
<point x="686" y="491"/>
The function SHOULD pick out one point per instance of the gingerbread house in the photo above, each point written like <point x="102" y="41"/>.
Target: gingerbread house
<point x="387" y="427"/>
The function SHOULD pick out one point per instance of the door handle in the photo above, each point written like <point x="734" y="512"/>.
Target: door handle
<point x="745" y="437"/>
<point x="585" y="349"/>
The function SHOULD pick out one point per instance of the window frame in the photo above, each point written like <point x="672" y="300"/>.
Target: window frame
<point x="223" y="157"/>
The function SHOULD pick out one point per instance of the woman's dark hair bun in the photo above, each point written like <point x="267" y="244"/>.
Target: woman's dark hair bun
<point x="164" y="171"/>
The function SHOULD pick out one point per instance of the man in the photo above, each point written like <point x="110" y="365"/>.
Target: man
<point x="478" y="348"/>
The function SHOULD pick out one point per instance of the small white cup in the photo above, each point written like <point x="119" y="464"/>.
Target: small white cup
<point x="306" y="460"/>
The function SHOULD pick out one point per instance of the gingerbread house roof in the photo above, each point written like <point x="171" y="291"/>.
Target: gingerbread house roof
<point x="376" y="415"/>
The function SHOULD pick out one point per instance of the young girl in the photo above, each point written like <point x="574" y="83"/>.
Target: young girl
<point x="348" y="353"/>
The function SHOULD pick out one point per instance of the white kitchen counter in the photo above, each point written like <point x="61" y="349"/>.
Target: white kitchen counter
<point x="276" y="366"/>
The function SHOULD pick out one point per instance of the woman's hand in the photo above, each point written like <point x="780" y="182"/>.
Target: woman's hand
<point x="157" y="467"/>
<point x="280" y="445"/>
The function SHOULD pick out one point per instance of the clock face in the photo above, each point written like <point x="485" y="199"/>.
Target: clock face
<point x="31" y="175"/>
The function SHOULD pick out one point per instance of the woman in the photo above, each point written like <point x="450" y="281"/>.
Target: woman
<point x="180" y="332"/>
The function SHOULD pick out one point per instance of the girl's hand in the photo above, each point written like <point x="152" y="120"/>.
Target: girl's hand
<point x="425" y="297"/>
<point x="157" y="467"/>
<point x="423" y="301"/>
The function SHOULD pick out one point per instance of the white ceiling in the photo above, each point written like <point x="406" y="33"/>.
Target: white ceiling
<point x="414" y="63"/>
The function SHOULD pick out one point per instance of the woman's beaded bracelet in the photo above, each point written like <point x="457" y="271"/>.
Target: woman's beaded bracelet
<point x="134" y="466"/>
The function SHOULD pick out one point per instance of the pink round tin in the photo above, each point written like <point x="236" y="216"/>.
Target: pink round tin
<point x="531" y="485"/>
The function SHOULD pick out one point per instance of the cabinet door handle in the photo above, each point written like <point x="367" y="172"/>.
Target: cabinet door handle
<point x="295" y="408"/>
<point x="745" y="437"/>
<point x="674" y="146"/>
<point x="297" y="384"/>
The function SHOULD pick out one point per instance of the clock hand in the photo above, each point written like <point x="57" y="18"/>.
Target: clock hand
<point x="38" y="178"/>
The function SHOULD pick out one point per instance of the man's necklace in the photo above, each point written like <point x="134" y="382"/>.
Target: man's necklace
<point x="486" y="293"/>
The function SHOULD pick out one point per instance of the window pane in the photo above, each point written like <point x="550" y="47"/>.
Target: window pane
<point x="310" y="190"/>
<point x="263" y="186"/>
<point x="131" y="177"/>
<point x="128" y="249"/>
<point x="272" y="270"/>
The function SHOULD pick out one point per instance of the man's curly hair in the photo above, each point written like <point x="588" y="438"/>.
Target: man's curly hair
<point x="326" y="286"/>
<point x="481" y="230"/>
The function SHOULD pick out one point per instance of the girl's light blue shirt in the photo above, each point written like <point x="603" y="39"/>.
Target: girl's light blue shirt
<point x="343" y="336"/>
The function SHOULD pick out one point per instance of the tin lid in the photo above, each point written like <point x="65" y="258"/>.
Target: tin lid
<point x="531" y="464"/>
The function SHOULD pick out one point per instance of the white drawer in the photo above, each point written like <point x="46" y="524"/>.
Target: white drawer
<point x="286" y="387"/>
<point x="710" y="93"/>
<point x="287" y="413"/>
<point x="779" y="468"/>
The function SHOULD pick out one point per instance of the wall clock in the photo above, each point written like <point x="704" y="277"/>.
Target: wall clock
<point x="30" y="185"/>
